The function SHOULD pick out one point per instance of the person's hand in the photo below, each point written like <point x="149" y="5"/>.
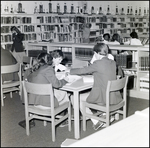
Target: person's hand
<point x="66" y="78"/>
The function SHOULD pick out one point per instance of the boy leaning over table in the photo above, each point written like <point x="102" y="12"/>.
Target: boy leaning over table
<point x="103" y="69"/>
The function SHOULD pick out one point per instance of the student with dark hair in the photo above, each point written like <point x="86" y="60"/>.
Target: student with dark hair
<point x="44" y="73"/>
<point x="115" y="40"/>
<point x="106" y="37"/>
<point x="134" y="39"/>
<point x="17" y="46"/>
<point x="103" y="70"/>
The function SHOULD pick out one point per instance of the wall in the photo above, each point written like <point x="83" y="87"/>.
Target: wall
<point x="28" y="6"/>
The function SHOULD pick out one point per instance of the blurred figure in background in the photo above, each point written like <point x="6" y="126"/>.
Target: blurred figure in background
<point x="106" y="37"/>
<point x="116" y="39"/>
<point x="86" y="32"/>
<point x="17" y="46"/>
<point x="133" y="40"/>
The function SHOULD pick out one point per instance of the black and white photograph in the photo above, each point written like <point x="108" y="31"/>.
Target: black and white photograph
<point x="74" y="73"/>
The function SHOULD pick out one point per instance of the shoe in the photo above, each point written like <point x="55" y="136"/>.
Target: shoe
<point x="65" y="123"/>
<point x="103" y="115"/>
<point x="23" y="123"/>
<point x="98" y="125"/>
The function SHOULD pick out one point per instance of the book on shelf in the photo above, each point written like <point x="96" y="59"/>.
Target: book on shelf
<point x="144" y="84"/>
<point x="125" y="61"/>
<point x="144" y="63"/>
<point x="144" y="89"/>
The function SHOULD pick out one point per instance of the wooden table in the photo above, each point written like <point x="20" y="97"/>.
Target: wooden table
<point x="76" y="88"/>
<point x="130" y="132"/>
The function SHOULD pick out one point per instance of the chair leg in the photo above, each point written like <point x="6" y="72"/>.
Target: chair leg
<point x="107" y="119"/>
<point x="27" y="126"/>
<point x="2" y="100"/>
<point x="10" y="94"/>
<point x="69" y="118"/>
<point x="84" y="118"/>
<point x="53" y="129"/>
<point x="117" y="116"/>
<point x="45" y="123"/>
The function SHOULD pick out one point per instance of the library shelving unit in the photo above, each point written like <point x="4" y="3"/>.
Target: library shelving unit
<point x="21" y="20"/>
<point x="121" y="24"/>
<point x="53" y="27"/>
<point x="83" y="51"/>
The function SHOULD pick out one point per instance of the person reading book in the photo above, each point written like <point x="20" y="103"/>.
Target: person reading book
<point x="103" y="69"/>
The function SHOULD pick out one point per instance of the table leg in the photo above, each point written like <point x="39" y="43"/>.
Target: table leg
<point x="76" y="115"/>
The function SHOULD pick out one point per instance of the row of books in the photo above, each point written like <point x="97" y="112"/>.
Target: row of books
<point x="22" y="28"/>
<point x="58" y="19"/>
<point x="65" y="38"/>
<point x="27" y="37"/>
<point x="16" y="20"/>
<point x="60" y="28"/>
<point x="84" y="52"/>
<point x="144" y="83"/>
<point x="144" y="63"/>
<point x="125" y="61"/>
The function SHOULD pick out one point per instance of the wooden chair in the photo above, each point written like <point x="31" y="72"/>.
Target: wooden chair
<point x="117" y="109"/>
<point x="11" y="85"/>
<point x="52" y="114"/>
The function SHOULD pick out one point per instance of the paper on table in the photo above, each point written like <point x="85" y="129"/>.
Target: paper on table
<point x="88" y="78"/>
<point x="73" y="78"/>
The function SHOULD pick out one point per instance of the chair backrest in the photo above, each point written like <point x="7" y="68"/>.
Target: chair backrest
<point x="38" y="89"/>
<point x="10" y="68"/>
<point x="117" y="85"/>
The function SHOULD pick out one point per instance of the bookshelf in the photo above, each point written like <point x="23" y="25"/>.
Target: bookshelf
<point x="83" y="51"/>
<point x="53" y="27"/>
<point x="143" y="70"/>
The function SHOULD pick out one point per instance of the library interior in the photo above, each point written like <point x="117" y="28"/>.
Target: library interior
<point x="62" y="46"/>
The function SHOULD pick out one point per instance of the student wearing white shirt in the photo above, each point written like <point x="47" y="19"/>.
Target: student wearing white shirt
<point x="133" y="40"/>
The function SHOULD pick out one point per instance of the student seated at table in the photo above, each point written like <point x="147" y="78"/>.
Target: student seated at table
<point x="44" y="73"/>
<point x="116" y="39"/>
<point x="133" y="40"/>
<point x="109" y="55"/>
<point x="106" y="37"/>
<point x="103" y="69"/>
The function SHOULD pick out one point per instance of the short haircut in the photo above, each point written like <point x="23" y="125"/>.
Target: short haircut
<point x="134" y="35"/>
<point x="54" y="54"/>
<point x="101" y="48"/>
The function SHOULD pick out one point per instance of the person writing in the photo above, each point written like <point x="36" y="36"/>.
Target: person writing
<point x="103" y="69"/>
<point x="17" y="46"/>
<point x="44" y="73"/>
